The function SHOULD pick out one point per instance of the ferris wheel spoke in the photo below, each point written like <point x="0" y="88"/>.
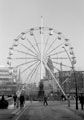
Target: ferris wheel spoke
<point x="31" y="72"/>
<point x="56" y="53"/>
<point x="29" y="75"/>
<point x="56" y="68"/>
<point x="36" y="73"/>
<point x="60" y="58"/>
<point x="24" y="52"/>
<point x="55" y="48"/>
<point x="46" y="44"/>
<point x="29" y="67"/>
<point x="23" y="58"/>
<point x="51" y="44"/>
<point x="32" y="45"/>
<point x="28" y="48"/>
<point x="36" y="43"/>
<point x="62" y="64"/>
<point x="25" y="63"/>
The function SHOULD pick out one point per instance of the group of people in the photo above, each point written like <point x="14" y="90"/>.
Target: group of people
<point x="19" y="101"/>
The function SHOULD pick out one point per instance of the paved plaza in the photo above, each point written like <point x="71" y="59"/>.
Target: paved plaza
<point x="57" y="110"/>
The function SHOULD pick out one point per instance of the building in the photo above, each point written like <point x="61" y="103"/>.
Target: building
<point x="68" y="81"/>
<point x="8" y="83"/>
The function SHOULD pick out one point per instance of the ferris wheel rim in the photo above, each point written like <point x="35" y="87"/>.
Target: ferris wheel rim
<point x="39" y="28"/>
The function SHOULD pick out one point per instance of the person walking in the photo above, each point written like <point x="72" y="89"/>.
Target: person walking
<point x="81" y="98"/>
<point x="15" y="99"/>
<point x="22" y="100"/>
<point x="45" y="100"/>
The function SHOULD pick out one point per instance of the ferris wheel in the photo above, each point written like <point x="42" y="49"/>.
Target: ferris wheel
<point x="32" y="49"/>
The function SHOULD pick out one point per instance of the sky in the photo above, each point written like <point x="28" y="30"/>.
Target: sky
<point x="66" y="16"/>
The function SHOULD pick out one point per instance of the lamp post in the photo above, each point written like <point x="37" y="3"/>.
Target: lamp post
<point x="76" y="88"/>
<point x="73" y="69"/>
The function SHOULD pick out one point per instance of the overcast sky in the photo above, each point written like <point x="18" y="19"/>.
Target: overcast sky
<point x="67" y="16"/>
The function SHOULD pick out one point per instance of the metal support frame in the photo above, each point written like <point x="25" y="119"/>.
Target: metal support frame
<point x="76" y="89"/>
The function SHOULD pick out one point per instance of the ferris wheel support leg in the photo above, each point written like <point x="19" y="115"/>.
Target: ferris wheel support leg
<point x="46" y="66"/>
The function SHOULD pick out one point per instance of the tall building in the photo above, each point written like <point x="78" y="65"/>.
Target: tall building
<point x="51" y="67"/>
<point x="48" y="81"/>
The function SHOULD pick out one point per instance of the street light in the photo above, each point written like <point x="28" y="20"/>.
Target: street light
<point x="72" y="63"/>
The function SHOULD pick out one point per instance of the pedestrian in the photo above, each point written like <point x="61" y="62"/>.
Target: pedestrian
<point x="22" y="100"/>
<point x="45" y="100"/>
<point x="81" y="98"/>
<point x="68" y="98"/>
<point x="3" y="102"/>
<point x="15" y="99"/>
<point x="18" y="102"/>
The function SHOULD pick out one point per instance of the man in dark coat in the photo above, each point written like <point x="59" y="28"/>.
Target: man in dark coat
<point x="45" y="100"/>
<point x="81" y="98"/>
<point x="22" y="99"/>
